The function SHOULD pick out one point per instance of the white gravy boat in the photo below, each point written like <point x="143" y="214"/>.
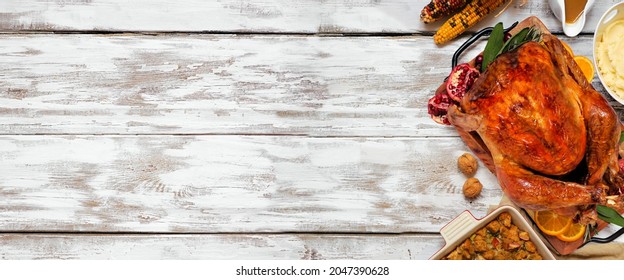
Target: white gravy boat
<point x="570" y="29"/>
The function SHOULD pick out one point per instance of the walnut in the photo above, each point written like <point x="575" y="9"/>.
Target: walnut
<point x="467" y="164"/>
<point x="472" y="188"/>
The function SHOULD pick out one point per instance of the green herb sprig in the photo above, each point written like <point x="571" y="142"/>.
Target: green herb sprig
<point x="493" y="46"/>
<point x="497" y="46"/>
<point x="609" y="215"/>
<point x="525" y="35"/>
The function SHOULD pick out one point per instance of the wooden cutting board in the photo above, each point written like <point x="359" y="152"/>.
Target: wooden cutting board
<point x="476" y="145"/>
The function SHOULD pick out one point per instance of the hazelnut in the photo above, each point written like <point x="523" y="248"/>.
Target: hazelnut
<point x="472" y="188"/>
<point x="467" y="164"/>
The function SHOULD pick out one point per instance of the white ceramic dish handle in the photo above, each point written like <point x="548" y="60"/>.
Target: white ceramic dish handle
<point x="609" y="16"/>
<point x="458" y="227"/>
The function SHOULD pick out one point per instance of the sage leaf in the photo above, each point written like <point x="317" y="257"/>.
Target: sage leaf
<point x="515" y="41"/>
<point x="525" y="35"/>
<point x="496" y="44"/>
<point x="493" y="46"/>
<point x="609" y="215"/>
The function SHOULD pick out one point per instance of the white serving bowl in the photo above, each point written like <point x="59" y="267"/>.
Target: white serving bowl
<point x="614" y="13"/>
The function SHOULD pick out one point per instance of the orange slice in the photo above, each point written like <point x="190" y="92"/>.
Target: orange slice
<point x="573" y="233"/>
<point x="586" y="66"/>
<point x="567" y="47"/>
<point x="552" y="223"/>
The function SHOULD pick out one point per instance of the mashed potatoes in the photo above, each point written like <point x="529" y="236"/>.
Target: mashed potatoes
<point x="610" y="57"/>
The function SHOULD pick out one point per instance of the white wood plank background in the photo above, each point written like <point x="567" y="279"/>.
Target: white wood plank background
<point x="274" y="16"/>
<point x="233" y="184"/>
<point x="219" y="246"/>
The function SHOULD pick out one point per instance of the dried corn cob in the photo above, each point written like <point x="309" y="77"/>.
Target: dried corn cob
<point x="436" y="9"/>
<point x="474" y="12"/>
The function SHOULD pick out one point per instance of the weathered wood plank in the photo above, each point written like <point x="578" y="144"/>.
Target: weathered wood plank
<point x="319" y="16"/>
<point x="219" y="246"/>
<point x="220" y="84"/>
<point x="233" y="184"/>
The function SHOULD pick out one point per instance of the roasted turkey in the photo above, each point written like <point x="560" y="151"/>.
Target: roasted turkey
<point x="549" y="136"/>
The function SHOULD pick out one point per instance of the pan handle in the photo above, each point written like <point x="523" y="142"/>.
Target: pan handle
<point x="607" y="239"/>
<point x="474" y="38"/>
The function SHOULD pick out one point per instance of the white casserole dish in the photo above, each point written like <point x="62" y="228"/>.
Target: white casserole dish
<point x="464" y="225"/>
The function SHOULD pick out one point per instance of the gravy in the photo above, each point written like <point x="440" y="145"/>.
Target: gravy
<point x="574" y="9"/>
